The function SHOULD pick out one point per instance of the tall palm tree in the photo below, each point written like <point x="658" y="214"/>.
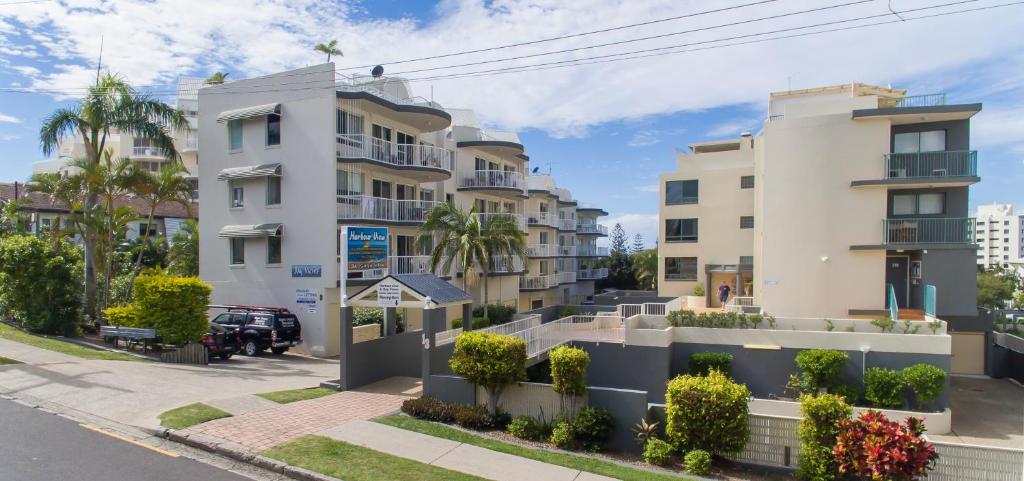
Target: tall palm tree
<point x="457" y="237"/>
<point x="330" y="48"/>
<point x="111" y="105"/>
<point x="184" y="250"/>
<point x="217" y="78"/>
<point x="167" y="185"/>
<point x="645" y="265"/>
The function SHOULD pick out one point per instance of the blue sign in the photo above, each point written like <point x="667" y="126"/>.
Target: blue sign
<point x="367" y="252"/>
<point x="306" y="270"/>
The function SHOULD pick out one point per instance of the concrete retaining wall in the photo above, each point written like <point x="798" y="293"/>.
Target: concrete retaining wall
<point x="379" y="359"/>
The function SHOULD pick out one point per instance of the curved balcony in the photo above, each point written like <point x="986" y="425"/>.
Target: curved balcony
<point x="419" y="162"/>
<point x="498" y="182"/>
<point x="379" y="210"/>
<point x="536" y="283"/>
<point x="419" y="113"/>
<point x="148" y="153"/>
<point x="592" y="274"/>
<point x="591" y="229"/>
<point x="567" y="277"/>
<point x="591" y="251"/>
<point x="520" y="220"/>
<point x="546" y="219"/>
<point x="542" y="250"/>
<point x="566" y="251"/>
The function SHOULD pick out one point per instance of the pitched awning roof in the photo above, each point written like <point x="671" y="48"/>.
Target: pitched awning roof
<point x="416" y="288"/>
<point x="249" y="171"/>
<point x="257" y="230"/>
<point x="247" y="112"/>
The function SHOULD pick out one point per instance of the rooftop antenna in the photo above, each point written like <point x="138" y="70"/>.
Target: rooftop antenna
<point x="894" y="12"/>
<point x="99" y="62"/>
<point x="377" y="71"/>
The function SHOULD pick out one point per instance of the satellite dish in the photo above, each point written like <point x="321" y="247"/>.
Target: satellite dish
<point x="535" y="169"/>
<point x="377" y="71"/>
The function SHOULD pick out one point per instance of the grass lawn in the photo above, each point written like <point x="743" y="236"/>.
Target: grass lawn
<point x="17" y="335"/>
<point x="581" y="463"/>
<point x="7" y="360"/>
<point x="290" y="396"/>
<point x="356" y="463"/>
<point x="190" y="415"/>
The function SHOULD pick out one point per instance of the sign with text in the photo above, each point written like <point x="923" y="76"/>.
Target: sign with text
<point x="307" y="296"/>
<point x="306" y="270"/>
<point x="388" y="295"/>
<point x="367" y="252"/>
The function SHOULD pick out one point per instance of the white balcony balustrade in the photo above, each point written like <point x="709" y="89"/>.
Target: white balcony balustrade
<point x="538" y="282"/>
<point x="566" y="224"/>
<point x="592" y="274"/>
<point x="542" y="250"/>
<point x="592" y="229"/>
<point x="361" y="146"/>
<point x="149" y="152"/>
<point x="591" y="251"/>
<point x="365" y="207"/>
<point x="567" y="277"/>
<point x="520" y="219"/>
<point x="492" y="179"/>
<point x="542" y="218"/>
<point x="566" y="251"/>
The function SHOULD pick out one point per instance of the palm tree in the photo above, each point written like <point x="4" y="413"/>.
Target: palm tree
<point x="645" y="264"/>
<point x="110" y="105"/>
<point x="217" y="78"/>
<point x="331" y="48"/>
<point x="168" y="185"/>
<point x="456" y="236"/>
<point x="184" y="250"/>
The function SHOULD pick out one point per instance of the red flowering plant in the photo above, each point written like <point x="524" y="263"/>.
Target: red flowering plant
<point x="873" y="447"/>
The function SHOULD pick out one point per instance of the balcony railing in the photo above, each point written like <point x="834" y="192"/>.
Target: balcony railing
<point x="566" y="224"/>
<point x="566" y="277"/>
<point x="566" y="251"/>
<point x="591" y="229"/>
<point x="928" y="100"/>
<point x="492" y="179"/>
<point x="542" y="218"/>
<point x="538" y="282"/>
<point x="484" y="216"/>
<point x="591" y="251"/>
<point x="542" y="250"/>
<point x="365" y="207"/>
<point x="154" y="152"/>
<point x="191" y="142"/>
<point x="921" y="165"/>
<point x="592" y="274"/>
<point x="956" y="230"/>
<point x="361" y="146"/>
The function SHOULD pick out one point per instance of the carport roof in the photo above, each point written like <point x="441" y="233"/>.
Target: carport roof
<point x="423" y="285"/>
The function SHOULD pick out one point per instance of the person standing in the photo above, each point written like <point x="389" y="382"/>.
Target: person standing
<point x="723" y="293"/>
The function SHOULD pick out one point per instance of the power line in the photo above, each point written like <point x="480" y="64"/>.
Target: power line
<point x="24" y="2"/>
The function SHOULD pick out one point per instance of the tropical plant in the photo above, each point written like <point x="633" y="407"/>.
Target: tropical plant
<point x="569" y="376"/>
<point x="702" y="363"/>
<point x="39" y="283"/>
<point x="818" y="430"/>
<point x="884" y="387"/>
<point x="707" y="412"/>
<point x="645" y="431"/>
<point x="12" y="220"/>
<point x="329" y="48"/>
<point x="658" y="452"/>
<point x="697" y="461"/>
<point x="884" y="324"/>
<point x="217" y="78"/>
<point x="645" y="264"/>
<point x="996" y="286"/>
<point x="167" y="185"/>
<point x="819" y="368"/>
<point x="491" y="361"/>
<point x="873" y="447"/>
<point x="927" y="382"/>
<point x="592" y="427"/>
<point x="183" y="252"/>
<point x="110" y="106"/>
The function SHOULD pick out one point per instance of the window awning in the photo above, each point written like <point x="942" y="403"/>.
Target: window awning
<point x="248" y="112"/>
<point x="257" y="230"/>
<point x="249" y="171"/>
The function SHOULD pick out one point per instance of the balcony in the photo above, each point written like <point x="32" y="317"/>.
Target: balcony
<point x="392" y="94"/>
<point x="566" y="251"/>
<point x="567" y="277"/>
<point x="922" y="169"/>
<point x="921" y="232"/>
<point x="910" y="101"/>
<point x="914" y="109"/>
<point x="148" y="152"/>
<point x="420" y="162"/>
<point x="567" y="224"/>
<point x="520" y="220"/>
<point x="591" y="229"/>
<point x="528" y="283"/>
<point x="500" y="182"/>
<point x="542" y="250"/>
<point x="381" y="210"/>
<point x="547" y="219"/>
<point x="591" y="251"/>
<point x="501" y="265"/>
<point x="592" y="274"/>
<point x="191" y="142"/>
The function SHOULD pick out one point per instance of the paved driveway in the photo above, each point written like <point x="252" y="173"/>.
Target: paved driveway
<point x="136" y="393"/>
<point x="989" y="412"/>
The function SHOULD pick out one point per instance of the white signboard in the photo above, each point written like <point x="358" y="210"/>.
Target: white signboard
<point x="307" y="296"/>
<point x="388" y="295"/>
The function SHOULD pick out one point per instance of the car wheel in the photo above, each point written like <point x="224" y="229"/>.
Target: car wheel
<point x="279" y="350"/>
<point x="250" y="348"/>
<point x="226" y="356"/>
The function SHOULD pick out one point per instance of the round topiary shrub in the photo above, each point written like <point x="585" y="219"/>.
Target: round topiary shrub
<point x="563" y="436"/>
<point x="926" y="381"/>
<point x="697" y="461"/>
<point x="569" y="376"/>
<point x="658" y="452"/>
<point x="820" y="367"/>
<point x="707" y="412"/>
<point x="884" y="387"/>
<point x="523" y="427"/>
<point x="491" y="361"/>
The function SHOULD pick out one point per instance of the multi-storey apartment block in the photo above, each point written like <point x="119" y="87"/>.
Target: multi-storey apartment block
<point x="999" y="234"/>
<point x="851" y="198"/>
<point x="291" y="158"/>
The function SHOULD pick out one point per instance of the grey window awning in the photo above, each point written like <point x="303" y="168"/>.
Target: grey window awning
<point x="250" y="171"/>
<point x="248" y="112"/>
<point x="257" y="230"/>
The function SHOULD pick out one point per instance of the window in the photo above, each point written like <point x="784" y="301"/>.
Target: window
<point x="681" y="230"/>
<point x="449" y="198"/>
<point x="919" y="204"/>
<point x="237" y="197"/>
<point x="681" y="268"/>
<point x="273" y="129"/>
<point x="747" y="182"/>
<point x="746" y="260"/>
<point x="349" y="183"/>
<point x="273" y="190"/>
<point x="746" y="222"/>
<point x="543" y="237"/>
<point x="680" y="192"/>
<point x="427" y="195"/>
<point x="235" y="134"/>
<point x="237" y="251"/>
<point x="143" y="228"/>
<point x="350" y="128"/>
<point x="1006" y="222"/>
<point x="912" y="142"/>
<point x="274" y="249"/>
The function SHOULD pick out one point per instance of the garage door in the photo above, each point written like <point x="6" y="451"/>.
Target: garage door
<point x="968" y="353"/>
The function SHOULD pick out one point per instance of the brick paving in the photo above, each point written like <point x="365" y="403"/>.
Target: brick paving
<point x="266" y="428"/>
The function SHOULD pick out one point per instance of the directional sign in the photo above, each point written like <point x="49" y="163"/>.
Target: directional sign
<point x="388" y="295"/>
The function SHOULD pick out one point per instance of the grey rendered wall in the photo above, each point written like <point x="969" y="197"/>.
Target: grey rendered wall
<point x="958" y="132"/>
<point x="953" y="273"/>
<point x="379" y="359"/>
<point x="956" y="201"/>
<point x="451" y="388"/>
<point x="627" y="407"/>
<point x="641" y="368"/>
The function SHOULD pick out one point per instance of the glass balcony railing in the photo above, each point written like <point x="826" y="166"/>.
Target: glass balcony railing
<point x="938" y="230"/>
<point x="593" y="229"/>
<point x="149" y="152"/>
<point x="924" y="165"/>
<point x="592" y="274"/>
<point x="365" y="207"/>
<point x="591" y="251"/>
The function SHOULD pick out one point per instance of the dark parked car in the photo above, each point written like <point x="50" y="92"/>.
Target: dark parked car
<point x="221" y="341"/>
<point x="260" y="328"/>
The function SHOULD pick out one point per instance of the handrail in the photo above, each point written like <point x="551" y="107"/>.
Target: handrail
<point x="492" y="178"/>
<point x="929" y="300"/>
<point x="920" y="165"/>
<point x="928" y="230"/>
<point x="894" y="310"/>
<point x="542" y="218"/>
<point x="591" y="229"/>
<point x="362" y="146"/>
<point x="379" y="208"/>
<point x="926" y="100"/>
<point x="591" y="251"/>
<point x="538" y="282"/>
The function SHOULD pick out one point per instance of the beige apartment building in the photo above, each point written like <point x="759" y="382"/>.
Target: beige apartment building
<point x="852" y="199"/>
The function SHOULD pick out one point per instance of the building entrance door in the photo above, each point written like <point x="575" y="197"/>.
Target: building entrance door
<point x="897" y="273"/>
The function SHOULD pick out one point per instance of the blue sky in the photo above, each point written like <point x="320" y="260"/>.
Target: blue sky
<point x="606" y="131"/>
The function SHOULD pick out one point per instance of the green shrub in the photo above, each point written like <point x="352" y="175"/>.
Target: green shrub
<point x="562" y="435"/>
<point x="497" y="313"/>
<point x="658" y="452"/>
<point x="852" y="393"/>
<point x="480" y="323"/>
<point x="362" y="316"/>
<point x="698" y="290"/>
<point x="707" y="412"/>
<point x="430" y="409"/>
<point x="884" y="324"/>
<point x="472" y="417"/>
<point x="820" y="367"/>
<point x="697" y="461"/>
<point x="926" y="381"/>
<point x="174" y="306"/>
<point x="884" y="387"/>
<point x="818" y="430"/>
<point x="489" y="360"/>
<point x="125" y="316"/>
<point x="701" y="363"/>
<point x="592" y="427"/>
<point x="41" y="283"/>
<point x="121" y="289"/>
<point x="456" y="323"/>
<point x="682" y="318"/>
<point x="524" y="427"/>
<point x="569" y="375"/>
<point x="568" y="311"/>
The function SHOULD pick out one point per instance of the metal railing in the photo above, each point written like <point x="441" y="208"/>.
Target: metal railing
<point x="928" y="230"/>
<point x="408" y="264"/>
<point x="520" y="220"/>
<point x="542" y="250"/>
<point x="592" y="274"/>
<point x="774" y="118"/>
<point x="566" y="277"/>
<point x="367" y="207"/>
<point x="444" y="338"/>
<point x="362" y="146"/>
<point x="155" y="152"/>
<point x="538" y="282"/>
<point x="591" y="229"/>
<point x="920" y="165"/>
<point x="492" y="178"/>
<point x="929" y="300"/>
<point x="567" y="251"/>
<point x="510" y="328"/>
<point x="542" y="218"/>
<point x="567" y="224"/>
<point x="894" y="310"/>
<point x="545" y="337"/>
<point x="591" y="251"/>
<point x="742" y="304"/>
<point x="356" y="84"/>
<point x="969" y="462"/>
<point x="502" y="264"/>
<point x="926" y="100"/>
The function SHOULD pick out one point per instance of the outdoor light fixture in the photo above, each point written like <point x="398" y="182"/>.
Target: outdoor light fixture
<point x="864" y="350"/>
<point x="824" y="258"/>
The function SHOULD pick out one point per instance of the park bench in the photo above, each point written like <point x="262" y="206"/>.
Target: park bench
<point x="131" y="335"/>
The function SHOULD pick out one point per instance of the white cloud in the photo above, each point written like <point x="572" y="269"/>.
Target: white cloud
<point x="729" y="129"/>
<point x="644" y="138"/>
<point x="9" y="137"/>
<point x="999" y="125"/>
<point x="648" y="188"/>
<point x="644" y="224"/>
<point x="8" y="119"/>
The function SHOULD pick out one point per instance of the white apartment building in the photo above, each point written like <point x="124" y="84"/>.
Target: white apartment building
<point x="291" y="158"/>
<point x="999" y="236"/>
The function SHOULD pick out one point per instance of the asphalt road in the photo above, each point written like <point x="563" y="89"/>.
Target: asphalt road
<point x="37" y="446"/>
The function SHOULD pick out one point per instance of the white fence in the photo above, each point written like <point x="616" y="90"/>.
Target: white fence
<point x="742" y="305"/>
<point x="530" y="399"/>
<point x="773" y="441"/>
<point x="533" y="320"/>
<point x="597" y="327"/>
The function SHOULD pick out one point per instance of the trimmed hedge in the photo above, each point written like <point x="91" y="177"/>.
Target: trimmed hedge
<point x="819" y="368"/>
<point x="489" y="360"/>
<point x="464" y="415"/>
<point x="174" y="306"/>
<point x="884" y="387"/>
<point x="592" y="427"/>
<point x="701" y="363"/>
<point x="697" y="461"/>
<point x="123" y="316"/>
<point x="707" y="412"/>
<point x="497" y="313"/>
<point x="926" y="381"/>
<point x="818" y="430"/>
<point x="569" y="370"/>
<point x="41" y="283"/>
<point x="658" y="452"/>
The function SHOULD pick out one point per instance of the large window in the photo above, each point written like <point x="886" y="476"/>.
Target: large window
<point x="680" y="192"/>
<point x="274" y="129"/>
<point x="235" y="134"/>
<point x="681" y="230"/>
<point x="350" y="128"/>
<point x="747" y="182"/>
<point x="237" y="245"/>
<point x="681" y="268"/>
<point x="237" y="196"/>
<point x="349" y="183"/>
<point x="919" y="204"/>
<point x="911" y="142"/>
<point x="274" y="249"/>
<point x="273" y="190"/>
